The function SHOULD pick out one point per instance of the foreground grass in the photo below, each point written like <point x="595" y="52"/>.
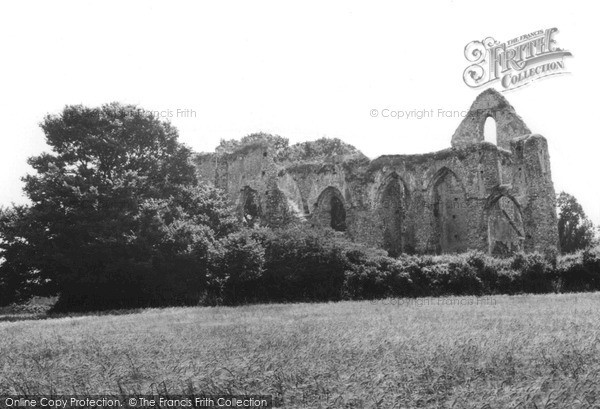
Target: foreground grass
<point x="504" y="351"/>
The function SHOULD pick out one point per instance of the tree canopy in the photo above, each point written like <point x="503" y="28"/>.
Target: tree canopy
<point x="116" y="199"/>
<point x="575" y="230"/>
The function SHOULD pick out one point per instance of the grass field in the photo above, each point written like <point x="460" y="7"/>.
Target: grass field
<point x="525" y="351"/>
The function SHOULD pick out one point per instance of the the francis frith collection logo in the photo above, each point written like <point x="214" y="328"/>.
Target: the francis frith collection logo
<point x="516" y="62"/>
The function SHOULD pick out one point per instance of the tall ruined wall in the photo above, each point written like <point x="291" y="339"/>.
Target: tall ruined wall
<point x="532" y="184"/>
<point x="249" y="177"/>
<point x="474" y="195"/>
<point x="490" y="104"/>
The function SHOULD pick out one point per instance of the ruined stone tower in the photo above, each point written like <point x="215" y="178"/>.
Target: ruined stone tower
<point x="475" y="195"/>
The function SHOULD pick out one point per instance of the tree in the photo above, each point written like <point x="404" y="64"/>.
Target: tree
<point x="19" y="280"/>
<point x="237" y="267"/>
<point x="575" y="230"/>
<point x="113" y="205"/>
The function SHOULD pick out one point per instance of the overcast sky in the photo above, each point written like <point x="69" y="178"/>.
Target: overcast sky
<point x="302" y="70"/>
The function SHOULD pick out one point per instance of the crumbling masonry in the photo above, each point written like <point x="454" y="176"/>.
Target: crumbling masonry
<point x="475" y="195"/>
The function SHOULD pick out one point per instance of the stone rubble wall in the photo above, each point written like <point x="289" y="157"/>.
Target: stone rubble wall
<point x="473" y="196"/>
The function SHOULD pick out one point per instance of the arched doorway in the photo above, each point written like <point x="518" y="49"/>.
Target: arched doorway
<point x="393" y="204"/>
<point x="330" y="209"/>
<point x="450" y="213"/>
<point x="338" y="214"/>
<point x="250" y="206"/>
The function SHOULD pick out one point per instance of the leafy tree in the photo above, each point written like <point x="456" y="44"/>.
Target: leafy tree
<point x="237" y="267"/>
<point x="19" y="280"/>
<point x="112" y="206"/>
<point x="575" y="230"/>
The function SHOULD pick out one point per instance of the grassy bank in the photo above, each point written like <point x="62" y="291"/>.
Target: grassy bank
<point x="424" y="352"/>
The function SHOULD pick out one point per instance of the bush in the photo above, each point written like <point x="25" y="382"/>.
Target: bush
<point x="508" y="282"/>
<point x="580" y="271"/>
<point x="489" y="270"/>
<point x="237" y="268"/>
<point x="462" y="279"/>
<point x="303" y="264"/>
<point x="306" y="264"/>
<point x="366" y="278"/>
<point x="536" y="275"/>
<point x="126" y="284"/>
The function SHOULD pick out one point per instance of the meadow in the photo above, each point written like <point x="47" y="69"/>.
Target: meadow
<point x="538" y="351"/>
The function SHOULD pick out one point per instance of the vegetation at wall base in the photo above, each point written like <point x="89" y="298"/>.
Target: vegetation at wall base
<point x="118" y="219"/>
<point x="302" y="264"/>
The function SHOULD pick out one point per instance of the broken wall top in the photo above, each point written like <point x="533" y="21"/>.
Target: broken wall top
<point x="490" y="103"/>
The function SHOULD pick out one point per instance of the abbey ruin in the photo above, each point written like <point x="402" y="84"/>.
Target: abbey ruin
<point x="498" y="198"/>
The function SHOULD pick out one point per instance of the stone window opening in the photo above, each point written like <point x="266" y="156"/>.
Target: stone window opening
<point x="251" y="210"/>
<point x="338" y="215"/>
<point x="392" y="207"/>
<point x="330" y="209"/>
<point x="490" y="133"/>
<point x="451" y="213"/>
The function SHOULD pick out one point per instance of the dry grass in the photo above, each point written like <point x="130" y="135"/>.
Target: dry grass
<point x="525" y="351"/>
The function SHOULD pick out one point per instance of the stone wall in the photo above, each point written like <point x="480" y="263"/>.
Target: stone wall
<point x="474" y="195"/>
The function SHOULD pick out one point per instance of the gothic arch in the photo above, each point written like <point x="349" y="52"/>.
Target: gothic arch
<point x="490" y="130"/>
<point x="393" y="200"/>
<point x="330" y="209"/>
<point x="250" y="206"/>
<point x="439" y="175"/>
<point x="504" y="224"/>
<point x="392" y="177"/>
<point x="449" y="212"/>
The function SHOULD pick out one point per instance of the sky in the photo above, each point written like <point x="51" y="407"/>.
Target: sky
<point x="302" y="70"/>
